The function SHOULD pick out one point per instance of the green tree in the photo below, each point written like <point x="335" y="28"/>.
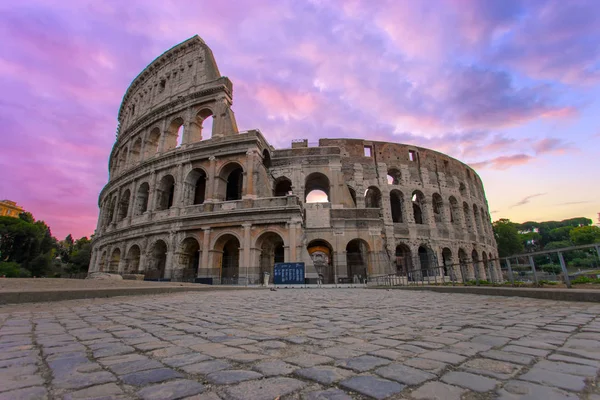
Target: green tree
<point x="585" y="235"/>
<point x="27" y="217"/>
<point x="507" y="238"/>
<point x="81" y="256"/>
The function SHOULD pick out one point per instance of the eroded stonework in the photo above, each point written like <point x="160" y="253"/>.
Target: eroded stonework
<point x="186" y="201"/>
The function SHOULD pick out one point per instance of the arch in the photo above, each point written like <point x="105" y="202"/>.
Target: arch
<point x="316" y="182"/>
<point x="151" y="146"/>
<point x="447" y="262"/>
<point x="204" y="125"/>
<point x="397" y="205"/>
<point x="111" y="210"/>
<point x="266" y="158"/>
<point x="373" y="197"/>
<point x="484" y="221"/>
<point x="352" y="195"/>
<point x="462" y="189"/>
<point x="394" y="177"/>
<point x="271" y="251"/>
<point x="357" y="259"/>
<point x="477" y="265"/>
<point x="283" y="187"/>
<point x="124" y="205"/>
<point x="466" y="270"/>
<point x="136" y="151"/>
<point x="454" y="210"/>
<point x="227" y="249"/>
<point x="486" y="267"/>
<point x="403" y="260"/>
<point x="141" y="199"/>
<point x="157" y="262"/>
<point x="195" y="187"/>
<point x="189" y="258"/>
<point x="437" y="204"/>
<point x="321" y="254"/>
<point x="132" y="260"/>
<point x="102" y="262"/>
<point x="175" y="133"/>
<point x="165" y="193"/>
<point x="468" y="219"/>
<point x="418" y="203"/>
<point x="115" y="258"/>
<point x="427" y="261"/>
<point x="231" y="182"/>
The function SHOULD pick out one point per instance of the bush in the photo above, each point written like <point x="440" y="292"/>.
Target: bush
<point x="9" y="269"/>
<point x="584" y="279"/>
<point x="552" y="268"/>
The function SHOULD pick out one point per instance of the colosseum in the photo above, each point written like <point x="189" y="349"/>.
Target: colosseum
<point x="191" y="198"/>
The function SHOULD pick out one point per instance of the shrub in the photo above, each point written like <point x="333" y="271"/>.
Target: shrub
<point x="9" y="269"/>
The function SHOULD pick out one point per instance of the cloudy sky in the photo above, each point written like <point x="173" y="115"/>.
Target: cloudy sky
<point x="510" y="87"/>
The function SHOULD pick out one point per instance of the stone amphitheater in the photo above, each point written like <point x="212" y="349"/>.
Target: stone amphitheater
<point x="191" y="198"/>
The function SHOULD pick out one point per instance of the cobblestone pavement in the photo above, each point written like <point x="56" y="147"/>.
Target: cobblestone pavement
<point x="301" y="344"/>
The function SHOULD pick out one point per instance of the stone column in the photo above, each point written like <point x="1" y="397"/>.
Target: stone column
<point x="151" y="193"/>
<point x="179" y="188"/>
<point x="249" y="183"/>
<point x="170" y="256"/>
<point x="132" y="200"/>
<point x="292" y="241"/>
<point x="245" y="269"/>
<point x="210" y="193"/>
<point x="203" y="270"/>
<point x="340" y="264"/>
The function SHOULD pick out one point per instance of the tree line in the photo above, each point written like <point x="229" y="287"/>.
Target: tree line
<point x="528" y="237"/>
<point x="28" y="249"/>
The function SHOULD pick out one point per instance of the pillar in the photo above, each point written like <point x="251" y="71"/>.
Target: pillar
<point x="249" y="183"/>
<point x="245" y="264"/>
<point x="210" y="193"/>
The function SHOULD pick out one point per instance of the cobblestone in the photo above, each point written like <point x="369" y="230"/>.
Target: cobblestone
<point x="263" y="344"/>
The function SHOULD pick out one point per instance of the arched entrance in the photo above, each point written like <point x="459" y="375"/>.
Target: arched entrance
<point x="113" y="267"/>
<point x="283" y="186"/>
<point x="465" y="270"/>
<point x="447" y="262"/>
<point x="403" y="260"/>
<point x="133" y="260"/>
<point x="158" y="261"/>
<point x="271" y="252"/>
<point x="228" y="261"/>
<point x="316" y="188"/>
<point x="321" y="254"/>
<point x="357" y="259"/>
<point x="189" y="259"/>
<point x="427" y="261"/>
<point x="195" y="187"/>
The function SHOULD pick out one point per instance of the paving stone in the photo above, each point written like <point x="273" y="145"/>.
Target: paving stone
<point x="134" y="366"/>
<point x="494" y="368"/>
<point x="438" y="391"/>
<point x="404" y="374"/>
<point x="490" y="340"/>
<point x="185" y="359"/>
<point x="363" y="363"/>
<point x="246" y="357"/>
<point x="143" y="378"/>
<point x="329" y="394"/>
<point x="449" y="358"/>
<point x="510" y="357"/>
<point x="519" y="390"/>
<point x="106" y="391"/>
<point x="309" y="360"/>
<point x="216" y="350"/>
<point x="432" y="366"/>
<point x="526" y="350"/>
<point x="391" y="354"/>
<point x="324" y="374"/>
<point x="274" y="368"/>
<point x="552" y="378"/>
<point x="372" y="386"/>
<point x="264" y="389"/>
<point x="206" y="367"/>
<point x="29" y="393"/>
<point x="575" y="360"/>
<point x="176" y="389"/>
<point x="470" y="381"/>
<point x="566" y="368"/>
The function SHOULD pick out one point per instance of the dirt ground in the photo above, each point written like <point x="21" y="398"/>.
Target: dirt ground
<point x="34" y="284"/>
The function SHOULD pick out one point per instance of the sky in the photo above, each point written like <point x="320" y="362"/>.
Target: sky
<point x="510" y="87"/>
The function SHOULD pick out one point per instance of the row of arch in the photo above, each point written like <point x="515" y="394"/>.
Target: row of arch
<point x="156" y="141"/>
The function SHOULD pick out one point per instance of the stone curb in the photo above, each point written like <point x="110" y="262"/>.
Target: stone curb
<point x="547" y="294"/>
<point x="42" y="296"/>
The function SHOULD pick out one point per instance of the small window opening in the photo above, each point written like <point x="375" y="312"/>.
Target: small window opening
<point x="163" y="84"/>
<point x="180" y="132"/>
<point x="412" y="155"/>
<point x="133" y="110"/>
<point x="367" y="150"/>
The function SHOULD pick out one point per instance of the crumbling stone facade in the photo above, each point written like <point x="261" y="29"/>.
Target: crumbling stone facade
<point x="186" y="201"/>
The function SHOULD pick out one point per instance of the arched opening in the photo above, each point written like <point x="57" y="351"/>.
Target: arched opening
<point x="466" y="272"/>
<point x="173" y="139"/>
<point x="318" y="183"/>
<point x="115" y="258"/>
<point x="283" y="187"/>
<point x="141" y="201"/>
<point x="124" y="205"/>
<point x="321" y="254"/>
<point x="158" y="261"/>
<point x="165" y="193"/>
<point x="111" y="210"/>
<point x="123" y="159"/>
<point x="152" y="143"/>
<point x="438" y="206"/>
<point x="271" y="252"/>
<point x="418" y="203"/>
<point x="189" y="259"/>
<point x="477" y="219"/>
<point x="357" y="253"/>
<point x="427" y="261"/>
<point x="397" y="205"/>
<point x="102" y="262"/>
<point x="136" y="151"/>
<point x="486" y="266"/>
<point x="454" y="210"/>
<point x="195" y="187"/>
<point x="204" y="121"/>
<point x="266" y="159"/>
<point x="403" y="260"/>
<point x="229" y="263"/>
<point x="447" y="262"/>
<point x="133" y="260"/>
<point x="394" y="177"/>
<point x="462" y="189"/>
<point x="373" y="197"/>
<point x="468" y="219"/>
<point x="234" y="185"/>
<point x="485" y="220"/>
<point x="352" y="195"/>
<point x="477" y="265"/>
<point x="180" y="135"/>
